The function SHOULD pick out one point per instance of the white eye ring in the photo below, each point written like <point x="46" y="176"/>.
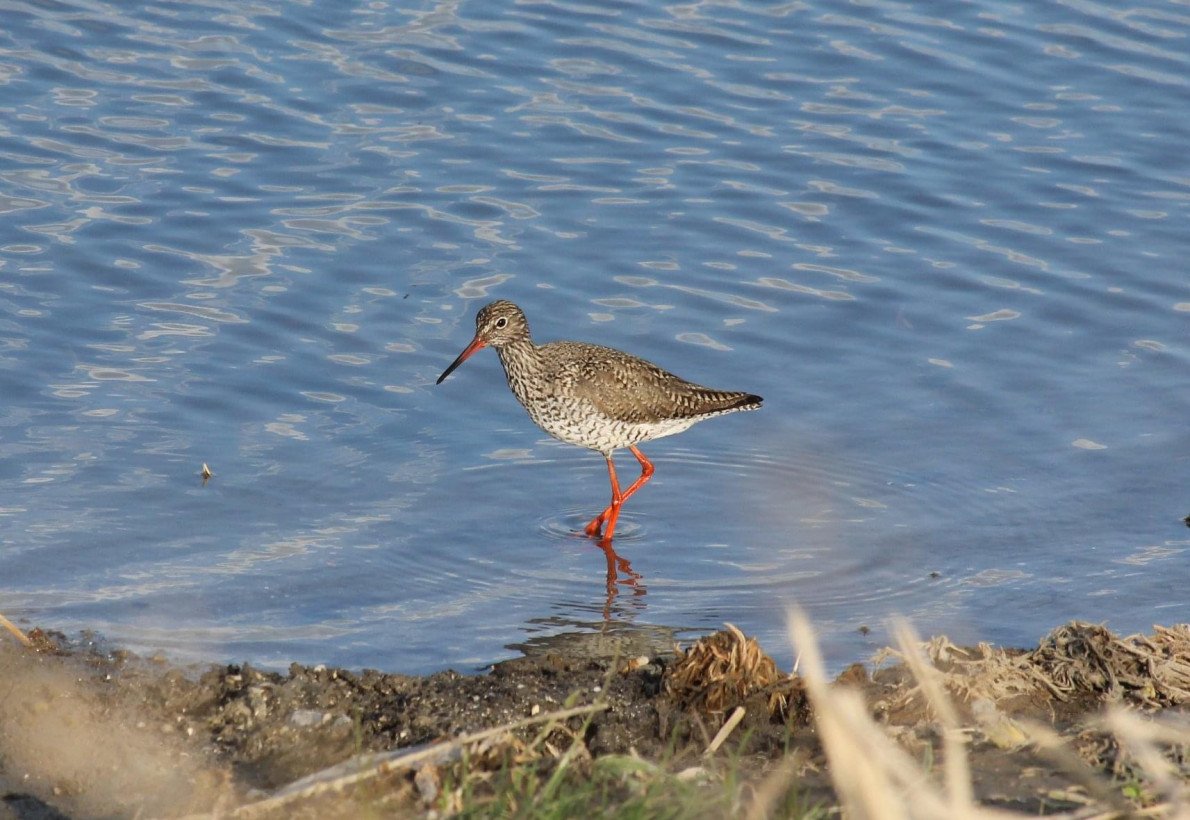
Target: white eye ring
<point x="502" y="322"/>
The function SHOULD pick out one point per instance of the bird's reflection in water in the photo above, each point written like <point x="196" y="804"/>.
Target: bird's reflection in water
<point x="620" y="574"/>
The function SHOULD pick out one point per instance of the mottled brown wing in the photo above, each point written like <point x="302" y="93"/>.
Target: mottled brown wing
<point x="632" y="390"/>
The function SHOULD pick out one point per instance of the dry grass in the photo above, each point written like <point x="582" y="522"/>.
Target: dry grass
<point x="875" y="778"/>
<point x="1074" y="659"/>
<point x="15" y="631"/>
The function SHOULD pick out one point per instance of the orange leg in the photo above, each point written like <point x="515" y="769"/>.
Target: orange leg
<point x="612" y="513"/>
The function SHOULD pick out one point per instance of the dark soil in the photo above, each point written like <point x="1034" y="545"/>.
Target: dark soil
<point x="183" y="740"/>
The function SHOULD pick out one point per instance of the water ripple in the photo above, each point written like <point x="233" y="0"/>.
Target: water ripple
<point x="252" y="237"/>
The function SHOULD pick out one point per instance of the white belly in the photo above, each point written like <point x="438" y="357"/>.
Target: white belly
<point x="577" y="422"/>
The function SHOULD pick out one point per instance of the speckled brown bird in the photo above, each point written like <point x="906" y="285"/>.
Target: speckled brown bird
<point x="594" y="396"/>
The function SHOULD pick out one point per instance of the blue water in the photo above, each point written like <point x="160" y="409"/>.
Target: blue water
<point x="950" y="252"/>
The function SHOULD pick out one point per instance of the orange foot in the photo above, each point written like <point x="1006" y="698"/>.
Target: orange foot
<point x="612" y="513"/>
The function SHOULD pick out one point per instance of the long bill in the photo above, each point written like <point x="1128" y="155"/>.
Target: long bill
<point x="476" y="344"/>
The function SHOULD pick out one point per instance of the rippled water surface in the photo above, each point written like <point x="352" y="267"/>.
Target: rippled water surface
<point x="950" y="251"/>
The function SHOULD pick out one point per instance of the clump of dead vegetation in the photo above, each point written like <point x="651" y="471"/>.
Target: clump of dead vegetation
<point x="724" y="671"/>
<point x="1075" y="660"/>
<point x="1117" y="725"/>
<point x="1151" y="671"/>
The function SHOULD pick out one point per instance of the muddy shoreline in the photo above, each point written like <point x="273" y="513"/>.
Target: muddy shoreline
<point x="86" y="732"/>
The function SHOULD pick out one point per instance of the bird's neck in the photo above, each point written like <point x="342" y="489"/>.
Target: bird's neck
<point x="522" y="361"/>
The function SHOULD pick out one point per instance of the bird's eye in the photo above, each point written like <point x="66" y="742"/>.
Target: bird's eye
<point x="502" y="322"/>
